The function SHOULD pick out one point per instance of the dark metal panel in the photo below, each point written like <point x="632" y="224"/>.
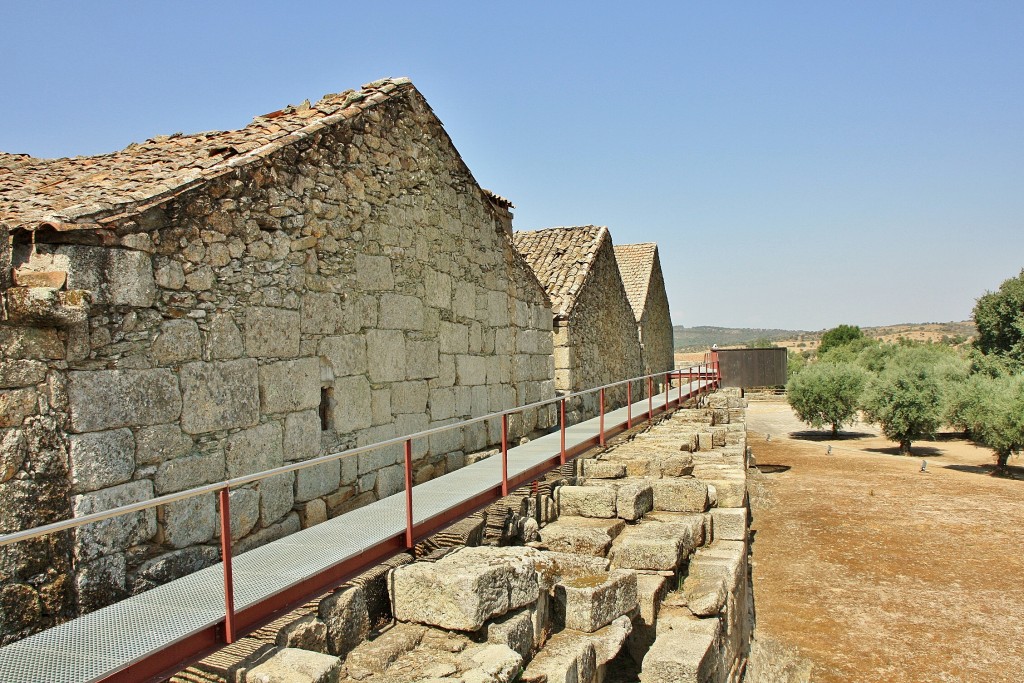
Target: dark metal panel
<point x="746" y="368"/>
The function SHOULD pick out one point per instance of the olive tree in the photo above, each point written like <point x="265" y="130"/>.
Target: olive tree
<point x="991" y="410"/>
<point x="999" y="317"/>
<point x="907" y="399"/>
<point x="839" y="336"/>
<point x="826" y="394"/>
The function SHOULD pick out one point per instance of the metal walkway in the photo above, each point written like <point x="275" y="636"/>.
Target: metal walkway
<point x="144" y="637"/>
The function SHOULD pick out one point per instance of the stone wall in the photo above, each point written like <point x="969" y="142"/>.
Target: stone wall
<point x="655" y="327"/>
<point x="348" y="287"/>
<point x="598" y="343"/>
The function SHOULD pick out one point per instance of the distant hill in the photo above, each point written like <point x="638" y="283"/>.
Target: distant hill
<point x="701" y="338"/>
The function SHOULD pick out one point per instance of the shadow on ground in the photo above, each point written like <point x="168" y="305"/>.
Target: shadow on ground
<point x="915" y="451"/>
<point x="813" y="435"/>
<point x="772" y="469"/>
<point x="1011" y="471"/>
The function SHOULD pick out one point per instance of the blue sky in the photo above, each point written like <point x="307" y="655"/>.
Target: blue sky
<point x="801" y="164"/>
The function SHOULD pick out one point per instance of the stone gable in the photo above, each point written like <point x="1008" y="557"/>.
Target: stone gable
<point x="640" y="267"/>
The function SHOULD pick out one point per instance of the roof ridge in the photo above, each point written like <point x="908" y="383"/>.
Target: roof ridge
<point x="563" y="259"/>
<point x="636" y="268"/>
<point x="164" y="165"/>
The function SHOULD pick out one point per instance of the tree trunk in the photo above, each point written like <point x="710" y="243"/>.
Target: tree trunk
<point x="835" y="430"/>
<point x="905" y="447"/>
<point x="1001" y="459"/>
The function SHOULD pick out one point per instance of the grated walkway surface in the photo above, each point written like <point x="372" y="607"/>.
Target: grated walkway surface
<point x="98" y="644"/>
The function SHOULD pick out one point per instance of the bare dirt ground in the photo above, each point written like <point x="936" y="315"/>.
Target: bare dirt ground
<point x="875" y="571"/>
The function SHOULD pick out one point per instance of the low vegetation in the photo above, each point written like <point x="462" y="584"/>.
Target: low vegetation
<point x="911" y="389"/>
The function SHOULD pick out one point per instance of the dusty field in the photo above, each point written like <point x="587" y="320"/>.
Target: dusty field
<point x="875" y="571"/>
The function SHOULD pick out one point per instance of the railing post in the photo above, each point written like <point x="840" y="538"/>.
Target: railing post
<point x="408" y="494"/>
<point x="629" y="405"/>
<point x="650" y="399"/>
<point x="668" y="387"/>
<point x="225" y="555"/>
<point x="561" y="422"/>
<point x="601" y="439"/>
<point x="504" y="454"/>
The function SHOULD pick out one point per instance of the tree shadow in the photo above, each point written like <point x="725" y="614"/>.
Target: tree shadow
<point x="1011" y="472"/>
<point x="915" y="451"/>
<point x="815" y="435"/>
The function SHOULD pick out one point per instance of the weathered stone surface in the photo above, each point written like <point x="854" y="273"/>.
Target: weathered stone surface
<point x="116" y="534"/>
<point x="731" y="492"/>
<point x="585" y="535"/>
<point x="466" y="588"/>
<point x="658" y="545"/>
<point x="178" y="341"/>
<point x="567" y="658"/>
<point x="316" y="481"/>
<point x="386" y="355"/>
<point x="352" y="407"/>
<point x="254" y="450"/>
<point x="374" y="272"/>
<point x="515" y="631"/>
<point x="301" y="435"/>
<point x="345" y="614"/>
<point x="159" y="443"/>
<point x="684" y="651"/>
<point x="100" y="460"/>
<point x="680" y="495"/>
<point x="713" y="575"/>
<point x="107" y="399"/>
<point x="651" y="590"/>
<point x="374" y="656"/>
<point x="16" y="405"/>
<point x="345" y="354"/>
<point x="586" y="501"/>
<point x="224" y="340"/>
<point x="676" y="466"/>
<point x="180" y="474"/>
<point x="305" y="633"/>
<point x="292" y="665"/>
<point x="290" y="385"/>
<point x="633" y="500"/>
<point x="21" y="373"/>
<point x="587" y="603"/>
<point x="271" y="333"/>
<point x="173" y="565"/>
<point x="730" y="523"/>
<point x="277" y="495"/>
<point x="101" y="581"/>
<point x="13" y="450"/>
<point x="492" y="663"/>
<point x="120" y="277"/>
<point x="602" y="469"/>
<point x="41" y="343"/>
<point x="189" y="521"/>
<point x="220" y="395"/>
<point x="245" y="511"/>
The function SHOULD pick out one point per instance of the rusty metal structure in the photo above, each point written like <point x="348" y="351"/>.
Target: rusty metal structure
<point x="748" y="368"/>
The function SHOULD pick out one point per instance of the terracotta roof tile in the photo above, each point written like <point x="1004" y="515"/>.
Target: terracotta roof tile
<point x="561" y="258"/>
<point x="84" y="189"/>
<point x="636" y="265"/>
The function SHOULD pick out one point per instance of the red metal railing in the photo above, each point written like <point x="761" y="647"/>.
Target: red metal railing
<point x="235" y="624"/>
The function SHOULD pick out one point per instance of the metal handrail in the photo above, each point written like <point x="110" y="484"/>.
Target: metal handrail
<point x="75" y="522"/>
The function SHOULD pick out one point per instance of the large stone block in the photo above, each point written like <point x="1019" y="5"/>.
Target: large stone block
<point x="107" y="399"/>
<point x="351" y="407"/>
<point x="189" y="521"/>
<point x="180" y="474"/>
<point x="586" y="501"/>
<point x="277" y="495"/>
<point x="386" y="355"/>
<point x="302" y="435"/>
<point x="101" y="459"/>
<point x="223" y="338"/>
<point x="347" y="619"/>
<point x="159" y="443"/>
<point x="245" y="511"/>
<point x="685" y="650"/>
<point x="567" y="658"/>
<point x="322" y="313"/>
<point x="466" y="588"/>
<point x="254" y="450"/>
<point x="583" y="535"/>
<point x="373" y="273"/>
<point x="587" y="603"/>
<point x="729" y="523"/>
<point x="680" y="495"/>
<point x="318" y="480"/>
<point x="658" y="545"/>
<point x="271" y="332"/>
<point x="219" y="395"/>
<point x="116" y="534"/>
<point x="290" y="385"/>
<point x="177" y="342"/>
<point x="100" y="582"/>
<point x="422" y="361"/>
<point x="119" y="277"/>
<point x="345" y="354"/>
<point x="21" y="373"/>
<point x="292" y="665"/>
<point x="400" y="312"/>
<point x="470" y="370"/>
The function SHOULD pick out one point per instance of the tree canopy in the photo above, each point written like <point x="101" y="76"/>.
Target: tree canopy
<point x="999" y="317"/>
<point x="838" y="336"/>
<point x="906" y="399"/>
<point x="826" y="394"/>
<point x="991" y="410"/>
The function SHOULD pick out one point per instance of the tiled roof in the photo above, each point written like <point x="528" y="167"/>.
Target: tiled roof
<point x="498" y="199"/>
<point x="636" y="265"/>
<point x="84" y="190"/>
<point x="561" y="258"/>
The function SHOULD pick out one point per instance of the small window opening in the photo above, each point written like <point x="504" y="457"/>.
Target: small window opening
<point x="326" y="399"/>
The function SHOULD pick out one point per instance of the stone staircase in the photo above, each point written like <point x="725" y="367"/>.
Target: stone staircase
<point x="642" y="556"/>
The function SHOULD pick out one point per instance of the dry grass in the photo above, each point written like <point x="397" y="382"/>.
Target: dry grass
<point x="875" y="571"/>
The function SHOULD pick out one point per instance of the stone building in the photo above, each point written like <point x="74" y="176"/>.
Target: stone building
<point x="594" y="327"/>
<point x="640" y="268"/>
<point x="199" y="307"/>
